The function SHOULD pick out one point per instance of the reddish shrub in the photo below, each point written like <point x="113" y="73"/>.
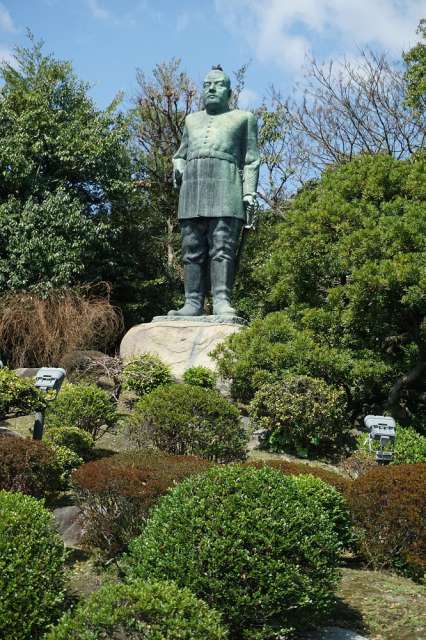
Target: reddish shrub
<point x="115" y="494"/>
<point x="388" y="507"/>
<point x="27" y="466"/>
<point x="336" y="480"/>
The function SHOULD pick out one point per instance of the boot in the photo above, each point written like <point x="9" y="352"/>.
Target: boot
<point x="222" y="279"/>
<point x="194" y="292"/>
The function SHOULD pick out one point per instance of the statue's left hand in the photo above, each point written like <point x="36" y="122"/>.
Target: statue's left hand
<point x="249" y="200"/>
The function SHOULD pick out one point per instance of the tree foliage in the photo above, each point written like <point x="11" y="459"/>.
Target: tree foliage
<point x="415" y="75"/>
<point x="64" y="166"/>
<point x="348" y="272"/>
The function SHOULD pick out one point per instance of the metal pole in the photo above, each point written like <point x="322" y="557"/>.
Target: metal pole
<point x="38" y="425"/>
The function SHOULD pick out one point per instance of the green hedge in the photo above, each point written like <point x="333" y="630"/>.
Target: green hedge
<point x="182" y="419"/>
<point x="31" y="568"/>
<point x="253" y="543"/>
<point x="301" y="414"/>
<point x="141" y="611"/>
<point x="145" y="373"/>
<point x="84" y="406"/>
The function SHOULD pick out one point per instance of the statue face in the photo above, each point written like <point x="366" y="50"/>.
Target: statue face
<point x="216" y="91"/>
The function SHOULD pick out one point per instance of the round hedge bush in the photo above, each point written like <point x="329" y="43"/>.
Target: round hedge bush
<point x="182" y="419"/>
<point x="145" y="373"/>
<point x="252" y="543"/>
<point x="388" y="506"/>
<point x="301" y="414"/>
<point x="28" y="466"/>
<point x="84" y="406"/>
<point x="141" y="611"/>
<point x="31" y="568"/>
<point x="200" y="377"/>
<point x="78" y="440"/>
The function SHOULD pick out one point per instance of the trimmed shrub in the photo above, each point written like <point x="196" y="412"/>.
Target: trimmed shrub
<point x="31" y="568"/>
<point x="115" y="494"/>
<point x="301" y="414"/>
<point x="145" y="373"/>
<point x="84" y="406"/>
<point x="327" y="487"/>
<point x="410" y="446"/>
<point x="28" y="466"/>
<point x="185" y="420"/>
<point x="253" y="543"/>
<point x="141" y="611"/>
<point x="335" y="479"/>
<point x="18" y="396"/>
<point x="66" y="461"/>
<point x="78" y="440"/>
<point x="200" y="377"/>
<point x="388" y="506"/>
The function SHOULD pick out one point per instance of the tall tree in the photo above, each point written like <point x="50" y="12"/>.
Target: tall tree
<point x="64" y="166"/>
<point x="346" y="109"/>
<point x="415" y="74"/>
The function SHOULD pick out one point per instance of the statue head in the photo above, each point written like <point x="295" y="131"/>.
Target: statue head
<point x="216" y="90"/>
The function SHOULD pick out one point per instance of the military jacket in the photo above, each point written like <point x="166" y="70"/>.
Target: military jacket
<point x="219" y="160"/>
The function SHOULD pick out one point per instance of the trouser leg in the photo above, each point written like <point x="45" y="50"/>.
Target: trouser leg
<point x="224" y="237"/>
<point x="194" y="254"/>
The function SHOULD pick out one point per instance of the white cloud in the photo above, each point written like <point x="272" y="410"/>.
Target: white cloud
<point x="98" y="11"/>
<point x="6" y="22"/>
<point x="284" y="31"/>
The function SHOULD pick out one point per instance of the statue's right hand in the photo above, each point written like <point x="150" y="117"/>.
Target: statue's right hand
<point x="177" y="178"/>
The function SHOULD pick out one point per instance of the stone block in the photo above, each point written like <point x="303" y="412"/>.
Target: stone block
<point x="181" y="343"/>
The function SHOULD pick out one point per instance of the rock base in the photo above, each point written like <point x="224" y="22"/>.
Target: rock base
<point x="180" y="342"/>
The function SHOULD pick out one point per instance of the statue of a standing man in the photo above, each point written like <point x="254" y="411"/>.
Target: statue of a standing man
<point x="217" y="170"/>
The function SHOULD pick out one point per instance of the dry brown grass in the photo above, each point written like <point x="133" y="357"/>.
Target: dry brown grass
<point x="36" y="331"/>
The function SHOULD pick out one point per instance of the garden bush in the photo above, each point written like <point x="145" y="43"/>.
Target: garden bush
<point x="301" y="414"/>
<point x="84" y="406"/>
<point x="336" y="480"/>
<point x="185" y="420"/>
<point x="141" y="611"/>
<point x="31" y="568"/>
<point x="200" y="377"/>
<point x="253" y="543"/>
<point x="115" y="494"/>
<point x="388" y="506"/>
<point x="28" y="466"/>
<point x="145" y="373"/>
<point x="410" y="446"/>
<point x="66" y="461"/>
<point x="18" y="396"/>
<point x="326" y="487"/>
<point x="78" y="440"/>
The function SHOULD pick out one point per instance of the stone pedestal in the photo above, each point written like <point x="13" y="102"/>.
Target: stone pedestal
<point x="180" y="342"/>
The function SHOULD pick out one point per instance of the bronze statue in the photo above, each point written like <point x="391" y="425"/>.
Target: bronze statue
<point x="216" y="168"/>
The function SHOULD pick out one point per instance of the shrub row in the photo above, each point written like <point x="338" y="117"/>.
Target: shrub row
<point x="32" y="580"/>
<point x="244" y="538"/>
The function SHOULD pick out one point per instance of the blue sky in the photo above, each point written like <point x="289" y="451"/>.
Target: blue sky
<point x="106" y="40"/>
